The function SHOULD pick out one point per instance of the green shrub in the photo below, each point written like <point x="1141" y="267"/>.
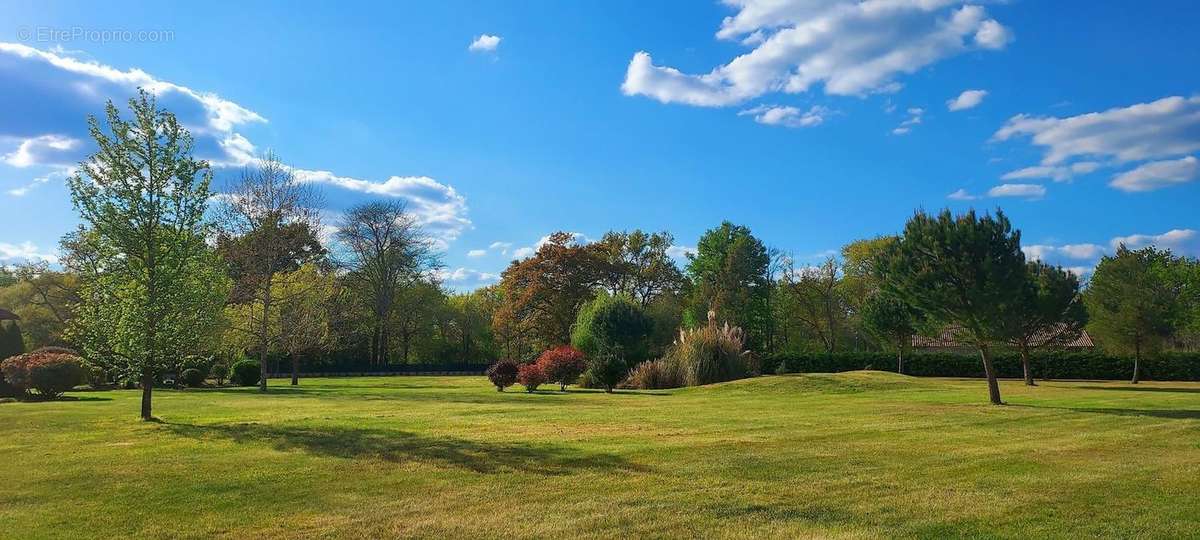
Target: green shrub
<point x="219" y="371"/>
<point x="503" y="374"/>
<point x="613" y="322"/>
<point x="192" y="377"/>
<point x="245" y="372"/>
<point x="607" y="367"/>
<point x="11" y="343"/>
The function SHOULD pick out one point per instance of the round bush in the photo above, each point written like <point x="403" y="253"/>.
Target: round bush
<point x="613" y="322"/>
<point x="244" y="373"/>
<point x="562" y="365"/>
<point x="503" y="374"/>
<point x="192" y="377"/>
<point x="50" y="374"/>
<point x="219" y="371"/>
<point x="531" y="376"/>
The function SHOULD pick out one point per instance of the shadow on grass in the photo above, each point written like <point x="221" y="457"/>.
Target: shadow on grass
<point x="1132" y="388"/>
<point x="448" y="395"/>
<point x="401" y="446"/>
<point x="1155" y="413"/>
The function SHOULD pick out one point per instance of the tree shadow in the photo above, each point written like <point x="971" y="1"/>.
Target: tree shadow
<point x="1156" y="413"/>
<point x="401" y="446"/>
<point x="1132" y="388"/>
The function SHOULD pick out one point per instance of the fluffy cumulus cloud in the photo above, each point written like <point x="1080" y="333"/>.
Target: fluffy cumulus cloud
<point x="465" y="277"/>
<point x="1182" y="240"/>
<point x="1153" y="142"/>
<point x="1157" y="174"/>
<point x="1043" y="252"/>
<point x="775" y="115"/>
<point x="484" y="43"/>
<point x="438" y="207"/>
<point x="55" y="92"/>
<point x="1029" y="191"/>
<point x="847" y="47"/>
<point x="680" y="252"/>
<point x="25" y="252"/>
<point x="967" y="100"/>
<point x="528" y="251"/>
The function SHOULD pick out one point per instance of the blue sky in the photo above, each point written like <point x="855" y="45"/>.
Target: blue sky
<point x="814" y="123"/>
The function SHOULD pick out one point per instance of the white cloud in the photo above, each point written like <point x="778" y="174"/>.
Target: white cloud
<point x="1145" y="132"/>
<point x="484" y="43"/>
<point x="792" y="117"/>
<point x="966" y="100"/>
<point x="1070" y="251"/>
<point x="1031" y="191"/>
<point x="523" y="252"/>
<point x="915" y="114"/>
<point x="848" y="47"/>
<point x="961" y="195"/>
<point x="1174" y="239"/>
<point x="25" y="252"/>
<point x="55" y="93"/>
<point x="476" y="253"/>
<point x="528" y="251"/>
<point x="465" y="276"/>
<point x="680" y="252"/>
<point x="59" y="173"/>
<point x="1058" y="173"/>
<point x="1157" y="174"/>
<point x="437" y="206"/>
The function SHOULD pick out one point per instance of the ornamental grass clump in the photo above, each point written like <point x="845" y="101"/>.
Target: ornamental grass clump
<point x="709" y="354"/>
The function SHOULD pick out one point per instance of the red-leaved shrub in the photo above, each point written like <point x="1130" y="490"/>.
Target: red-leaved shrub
<point x="562" y="365"/>
<point x="502" y="374"/>
<point x="49" y="373"/>
<point x="531" y="376"/>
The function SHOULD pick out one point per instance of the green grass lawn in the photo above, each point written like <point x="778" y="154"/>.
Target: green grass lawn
<point x="856" y="455"/>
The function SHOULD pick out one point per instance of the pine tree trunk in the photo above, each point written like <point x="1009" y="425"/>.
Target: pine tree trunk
<point x="990" y="372"/>
<point x="295" y="370"/>
<point x="1025" y="365"/>
<point x="147" y="392"/>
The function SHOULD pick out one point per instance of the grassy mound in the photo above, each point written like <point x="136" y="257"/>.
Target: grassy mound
<point x="848" y="382"/>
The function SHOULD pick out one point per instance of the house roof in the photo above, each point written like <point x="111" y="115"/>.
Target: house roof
<point x="6" y="315"/>
<point x="949" y="339"/>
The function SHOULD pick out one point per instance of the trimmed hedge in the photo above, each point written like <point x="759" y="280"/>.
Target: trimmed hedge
<point x="1173" y="366"/>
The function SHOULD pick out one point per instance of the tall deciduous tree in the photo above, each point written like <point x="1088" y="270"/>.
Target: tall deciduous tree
<point x="269" y="223"/>
<point x="387" y="252"/>
<point x="729" y="276"/>
<point x="817" y="301"/>
<point x="154" y="290"/>
<point x="962" y="270"/>
<point x="891" y="320"/>
<point x="543" y="293"/>
<point x="1133" y="301"/>
<point x="638" y="265"/>
<point x="1050" y="313"/>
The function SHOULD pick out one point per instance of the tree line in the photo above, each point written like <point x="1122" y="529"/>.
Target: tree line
<point x="163" y="269"/>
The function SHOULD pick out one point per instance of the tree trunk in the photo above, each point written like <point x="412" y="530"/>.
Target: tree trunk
<point x="1025" y="365"/>
<point x="264" y="338"/>
<point x="1137" y="360"/>
<point x="295" y="370"/>
<point x="990" y="372"/>
<point x="147" y="392"/>
<point x="900" y="360"/>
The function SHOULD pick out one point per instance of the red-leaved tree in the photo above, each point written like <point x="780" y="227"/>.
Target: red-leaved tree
<point x="562" y="365"/>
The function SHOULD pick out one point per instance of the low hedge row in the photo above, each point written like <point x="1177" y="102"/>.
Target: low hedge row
<point x="1174" y="366"/>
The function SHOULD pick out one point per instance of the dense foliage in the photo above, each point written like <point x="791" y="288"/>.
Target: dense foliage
<point x="503" y="374"/>
<point x="48" y="373"/>
<point x="244" y="372"/>
<point x="192" y="377"/>
<point x="531" y="376"/>
<point x="562" y="365"/>
<point x="1048" y="364"/>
